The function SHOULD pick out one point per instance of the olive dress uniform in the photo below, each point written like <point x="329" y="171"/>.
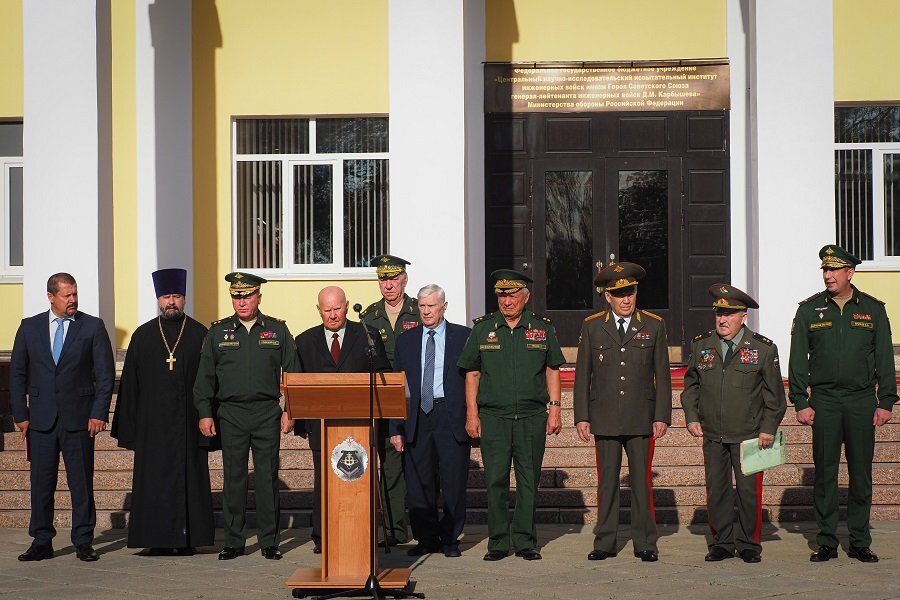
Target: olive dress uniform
<point x="241" y="370"/>
<point x="733" y="402"/>
<point x="392" y="480"/>
<point x="512" y="405"/>
<point x="623" y="385"/>
<point x="839" y="356"/>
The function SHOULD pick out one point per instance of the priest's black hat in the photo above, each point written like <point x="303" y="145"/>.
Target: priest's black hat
<point x="170" y="281"/>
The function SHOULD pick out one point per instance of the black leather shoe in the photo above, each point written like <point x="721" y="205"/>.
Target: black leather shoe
<point x="718" y="553"/>
<point x="750" y="556"/>
<point x="647" y="555"/>
<point x="317" y="549"/>
<point x="229" y="553"/>
<point x="824" y="553"/>
<point x="529" y="554"/>
<point x="862" y="555"/>
<point x="493" y="555"/>
<point x="452" y="551"/>
<point x="421" y="550"/>
<point x="600" y="555"/>
<point x="271" y="553"/>
<point x="86" y="553"/>
<point x="37" y="552"/>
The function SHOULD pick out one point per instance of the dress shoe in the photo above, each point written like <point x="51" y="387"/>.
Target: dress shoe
<point x="421" y="550"/>
<point x="862" y="555"/>
<point x="529" y="554"/>
<point x="718" y="553"/>
<point x="37" y="552"/>
<point x="748" y="555"/>
<point x="229" y="553"/>
<point x="647" y="555"/>
<point x="824" y="553"/>
<point x="86" y="553"/>
<point x="271" y="553"/>
<point x="600" y="555"/>
<point x="317" y="549"/>
<point x="452" y="551"/>
<point x="493" y="555"/>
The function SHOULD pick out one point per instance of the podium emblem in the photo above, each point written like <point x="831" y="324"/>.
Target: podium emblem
<point x="349" y="460"/>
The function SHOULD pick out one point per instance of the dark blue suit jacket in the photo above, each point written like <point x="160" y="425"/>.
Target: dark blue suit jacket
<point x="408" y="357"/>
<point x="77" y="389"/>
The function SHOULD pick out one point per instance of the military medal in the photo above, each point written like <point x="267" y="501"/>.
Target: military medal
<point x="171" y="360"/>
<point x="536" y="335"/>
<point x="746" y="356"/>
<point x="707" y="358"/>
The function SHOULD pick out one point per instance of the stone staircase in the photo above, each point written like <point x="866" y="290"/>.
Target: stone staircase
<point x="568" y="489"/>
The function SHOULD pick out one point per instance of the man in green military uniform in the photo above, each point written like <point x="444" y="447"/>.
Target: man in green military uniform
<point x="733" y="392"/>
<point x="843" y="384"/>
<point x="623" y="399"/>
<point x="392" y="315"/>
<point x="512" y="359"/>
<point x="241" y="363"/>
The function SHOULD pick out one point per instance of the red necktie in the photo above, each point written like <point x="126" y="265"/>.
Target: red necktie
<point x="335" y="348"/>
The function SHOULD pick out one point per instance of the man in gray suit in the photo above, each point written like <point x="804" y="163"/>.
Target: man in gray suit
<point x="623" y="399"/>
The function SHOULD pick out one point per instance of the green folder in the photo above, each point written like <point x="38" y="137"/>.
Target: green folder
<point x="754" y="460"/>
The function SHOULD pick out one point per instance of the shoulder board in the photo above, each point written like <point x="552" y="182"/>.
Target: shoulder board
<point x="650" y="314"/>
<point x="482" y="318"/>
<point x="762" y="339"/>
<point x="870" y="296"/>
<point x="811" y="298"/>
<point x="367" y="309"/>
<point x="700" y="336"/>
<point x="595" y="316"/>
<point x="543" y="318"/>
<point x="277" y="319"/>
<point x="214" y="323"/>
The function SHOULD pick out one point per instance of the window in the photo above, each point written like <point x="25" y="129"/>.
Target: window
<point x="310" y="195"/>
<point x="11" y="253"/>
<point x="867" y="182"/>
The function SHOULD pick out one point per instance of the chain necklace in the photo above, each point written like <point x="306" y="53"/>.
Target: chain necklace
<point x="171" y="360"/>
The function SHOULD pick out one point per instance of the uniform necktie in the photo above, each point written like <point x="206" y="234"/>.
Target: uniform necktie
<point x="428" y="375"/>
<point x="335" y="348"/>
<point x="621" y="329"/>
<point x="58" y="339"/>
<point x="730" y="352"/>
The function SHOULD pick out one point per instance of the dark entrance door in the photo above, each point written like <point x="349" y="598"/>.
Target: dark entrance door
<point x="566" y="193"/>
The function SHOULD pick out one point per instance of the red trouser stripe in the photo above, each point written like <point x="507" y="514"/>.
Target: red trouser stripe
<point x="650" y="478"/>
<point x="759" y="502"/>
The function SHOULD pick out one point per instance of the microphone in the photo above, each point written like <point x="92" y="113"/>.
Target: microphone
<point x="357" y="308"/>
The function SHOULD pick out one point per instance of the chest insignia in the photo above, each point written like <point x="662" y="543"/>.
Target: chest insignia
<point x="822" y="325"/>
<point x="822" y="308"/>
<point x="747" y="356"/>
<point x="536" y="335"/>
<point x="821" y="315"/>
<point x="600" y="357"/>
<point x="862" y="317"/>
<point x="229" y="334"/>
<point x="707" y="358"/>
<point x="491" y="337"/>
<point x="643" y="335"/>
<point x="407" y="325"/>
<point x="268" y="335"/>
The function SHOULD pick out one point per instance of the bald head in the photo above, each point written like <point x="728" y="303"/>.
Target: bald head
<point x="332" y="305"/>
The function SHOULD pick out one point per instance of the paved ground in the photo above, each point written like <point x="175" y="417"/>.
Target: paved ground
<point x="563" y="574"/>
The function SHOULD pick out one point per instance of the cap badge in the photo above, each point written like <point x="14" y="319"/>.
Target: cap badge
<point x="238" y="276"/>
<point x="618" y="269"/>
<point x="829" y="250"/>
<point x="723" y="289"/>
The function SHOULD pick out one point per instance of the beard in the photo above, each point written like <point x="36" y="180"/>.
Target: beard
<point x="171" y="314"/>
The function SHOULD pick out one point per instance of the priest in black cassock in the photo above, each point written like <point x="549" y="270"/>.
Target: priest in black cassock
<point x="171" y="502"/>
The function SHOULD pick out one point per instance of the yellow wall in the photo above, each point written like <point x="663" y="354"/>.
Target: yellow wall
<point x="124" y="152"/>
<point x="12" y="65"/>
<point x="280" y="57"/>
<point x="11" y="301"/>
<point x="865" y="44"/>
<point x="885" y="286"/>
<point x="598" y="30"/>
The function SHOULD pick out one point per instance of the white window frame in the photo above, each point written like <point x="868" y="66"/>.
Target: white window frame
<point x="880" y="262"/>
<point x="291" y="270"/>
<point x="8" y="273"/>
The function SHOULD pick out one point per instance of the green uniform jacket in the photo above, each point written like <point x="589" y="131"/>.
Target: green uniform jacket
<point x="845" y="353"/>
<point x="376" y="316"/>
<point x="237" y="366"/>
<point x="739" y="401"/>
<point x="512" y="363"/>
<point x="623" y="386"/>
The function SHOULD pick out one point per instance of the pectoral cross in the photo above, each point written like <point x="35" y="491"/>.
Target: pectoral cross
<point x="171" y="360"/>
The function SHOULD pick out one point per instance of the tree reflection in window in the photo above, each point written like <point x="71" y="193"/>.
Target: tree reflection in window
<point x="569" y="199"/>
<point x="644" y="231"/>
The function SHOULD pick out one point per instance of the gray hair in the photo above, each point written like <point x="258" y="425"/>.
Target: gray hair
<point x="430" y="289"/>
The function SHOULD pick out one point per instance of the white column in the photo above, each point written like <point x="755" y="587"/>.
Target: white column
<point x="436" y="50"/>
<point x="67" y="152"/>
<point x="165" y="202"/>
<point x="792" y="146"/>
<point x="743" y="229"/>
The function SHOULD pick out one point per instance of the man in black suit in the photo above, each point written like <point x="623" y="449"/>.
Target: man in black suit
<point x="63" y="361"/>
<point x="434" y="434"/>
<point x="335" y="346"/>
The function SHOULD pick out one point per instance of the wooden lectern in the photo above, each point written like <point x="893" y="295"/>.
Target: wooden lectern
<point x="341" y="400"/>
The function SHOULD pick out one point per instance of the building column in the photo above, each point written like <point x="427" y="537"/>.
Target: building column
<point x="67" y="224"/>
<point x="436" y="51"/>
<point x="791" y="167"/>
<point x="165" y="201"/>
